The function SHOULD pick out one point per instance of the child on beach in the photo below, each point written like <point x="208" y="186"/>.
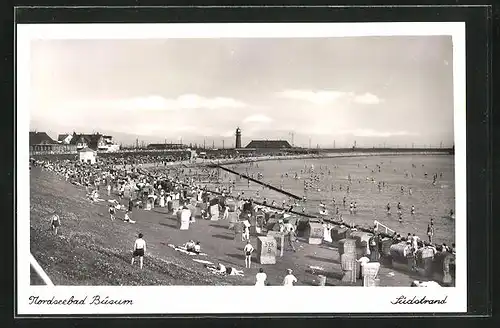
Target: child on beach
<point x="112" y="212"/>
<point x="55" y="223"/>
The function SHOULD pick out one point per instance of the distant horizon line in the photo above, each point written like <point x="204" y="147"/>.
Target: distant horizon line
<point x="141" y="139"/>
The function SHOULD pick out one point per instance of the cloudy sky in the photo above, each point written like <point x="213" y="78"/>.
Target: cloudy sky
<point x="375" y="90"/>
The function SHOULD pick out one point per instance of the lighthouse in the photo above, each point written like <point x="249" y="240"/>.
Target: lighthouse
<point x="238" y="138"/>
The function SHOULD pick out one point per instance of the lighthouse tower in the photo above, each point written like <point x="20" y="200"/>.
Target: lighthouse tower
<point x="238" y="138"/>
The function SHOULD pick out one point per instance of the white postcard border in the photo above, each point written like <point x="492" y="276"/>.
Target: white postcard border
<point x="235" y="299"/>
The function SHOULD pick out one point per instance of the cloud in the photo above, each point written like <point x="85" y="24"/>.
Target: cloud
<point x="326" y="97"/>
<point x="228" y="133"/>
<point x="372" y="133"/>
<point x="258" y="118"/>
<point x="315" y="97"/>
<point x="367" y="99"/>
<point x="159" y="103"/>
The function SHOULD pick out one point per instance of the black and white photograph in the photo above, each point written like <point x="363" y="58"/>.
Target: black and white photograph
<point x="169" y="163"/>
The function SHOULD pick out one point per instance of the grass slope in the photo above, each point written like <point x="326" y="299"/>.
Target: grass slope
<point x="90" y="249"/>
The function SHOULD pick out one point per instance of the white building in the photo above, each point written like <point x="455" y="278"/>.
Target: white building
<point x="106" y="144"/>
<point x="64" y="139"/>
<point x="87" y="155"/>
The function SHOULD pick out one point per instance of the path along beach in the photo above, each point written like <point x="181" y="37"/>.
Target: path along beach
<point x="90" y="246"/>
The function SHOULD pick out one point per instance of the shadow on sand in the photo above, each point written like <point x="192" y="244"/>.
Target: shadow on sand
<point x="173" y="226"/>
<point x="327" y="274"/>
<point x="322" y="259"/>
<point x="316" y="283"/>
<point x="223" y="237"/>
<point x="237" y="256"/>
<point x="218" y="226"/>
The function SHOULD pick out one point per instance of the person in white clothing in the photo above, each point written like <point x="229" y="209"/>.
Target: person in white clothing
<point x="127" y="219"/>
<point x="260" y="278"/>
<point x="246" y="233"/>
<point x="289" y="278"/>
<point x="139" y="249"/>
<point x="417" y="283"/>
<point x="362" y="261"/>
<point x="248" y="254"/>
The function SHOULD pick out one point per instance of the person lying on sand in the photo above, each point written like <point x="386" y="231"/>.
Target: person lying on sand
<point x="189" y="246"/>
<point x="223" y="270"/>
<point x="94" y="196"/>
<point x="194" y="250"/>
<point x="127" y="218"/>
<point x="418" y="283"/>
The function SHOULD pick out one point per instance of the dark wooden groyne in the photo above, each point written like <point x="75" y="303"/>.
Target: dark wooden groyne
<point x="284" y="192"/>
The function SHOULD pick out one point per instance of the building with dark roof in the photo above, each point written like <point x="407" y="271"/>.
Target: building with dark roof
<point x="269" y="144"/>
<point x="91" y="141"/>
<point x="40" y="138"/>
<point x="64" y="138"/>
<point x="41" y="142"/>
<point x="94" y="141"/>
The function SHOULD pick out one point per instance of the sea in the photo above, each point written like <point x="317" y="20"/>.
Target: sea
<point x="327" y="179"/>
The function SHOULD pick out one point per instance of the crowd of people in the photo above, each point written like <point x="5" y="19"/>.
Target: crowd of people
<point x="159" y="186"/>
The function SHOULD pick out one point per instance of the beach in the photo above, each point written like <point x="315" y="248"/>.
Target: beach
<point x="92" y="250"/>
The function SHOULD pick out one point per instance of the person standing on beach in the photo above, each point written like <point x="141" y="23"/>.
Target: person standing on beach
<point x="130" y="205"/>
<point x="55" y="223"/>
<point x="248" y="250"/>
<point x="388" y="209"/>
<point x="289" y="279"/>
<point x="112" y="212"/>
<point x="139" y="249"/>
<point x="225" y="216"/>
<point x="343" y="201"/>
<point x="260" y="278"/>
<point x="290" y="235"/>
<point x="246" y="233"/>
<point x="430" y="232"/>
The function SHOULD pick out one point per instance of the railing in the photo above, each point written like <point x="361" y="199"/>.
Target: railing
<point x="387" y="229"/>
<point x="39" y="271"/>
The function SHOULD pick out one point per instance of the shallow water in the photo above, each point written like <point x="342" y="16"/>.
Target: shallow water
<point x="430" y="201"/>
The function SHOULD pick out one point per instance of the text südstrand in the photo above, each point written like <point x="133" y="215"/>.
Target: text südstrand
<point x="94" y="300"/>
<point x="420" y="300"/>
